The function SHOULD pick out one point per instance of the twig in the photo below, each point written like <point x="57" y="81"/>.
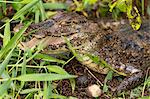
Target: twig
<point x="94" y="76"/>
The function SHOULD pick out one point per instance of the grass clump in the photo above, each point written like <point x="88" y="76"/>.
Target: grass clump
<point x="30" y="73"/>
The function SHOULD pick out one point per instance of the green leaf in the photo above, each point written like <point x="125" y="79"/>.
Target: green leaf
<point x="48" y="58"/>
<point x="94" y="58"/>
<point x="43" y="77"/>
<point x="73" y="84"/>
<point x="145" y="97"/>
<point x="3" y="6"/>
<point x="4" y="64"/>
<point x="56" y="69"/>
<point x="25" y="9"/>
<point x="79" y="7"/>
<point x="55" y="6"/>
<point x="135" y="19"/>
<point x="42" y="10"/>
<point x="25" y="91"/>
<point x="4" y="87"/>
<point x="101" y="62"/>
<point x="23" y="70"/>
<point x="57" y="96"/>
<point x="13" y="41"/>
<point x="37" y="16"/>
<point x="112" y="6"/>
<point x="105" y="88"/>
<point x="121" y="4"/>
<point x="132" y="12"/>
<point x="129" y="10"/>
<point x="90" y="1"/>
<point x="59" y="70"/>
<point x="47" y="90"/>
<point x="80" y="57"/>
<point x="104" y="63"/>
<point x="108" y="77"/>
<point x="7" y="34"/>
<point x="17" y="6"/>
<point x="25" y="1"/>
<point x="70" y="47"/>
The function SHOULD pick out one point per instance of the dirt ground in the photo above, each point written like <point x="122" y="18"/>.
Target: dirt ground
<point x="85" y="79"/>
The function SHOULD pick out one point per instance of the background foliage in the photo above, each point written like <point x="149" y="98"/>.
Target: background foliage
<point x="18" y="68"/>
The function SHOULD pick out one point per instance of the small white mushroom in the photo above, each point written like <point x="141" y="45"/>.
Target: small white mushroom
<point x="94" y="90"/>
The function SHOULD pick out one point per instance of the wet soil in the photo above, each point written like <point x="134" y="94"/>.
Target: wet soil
<point x="86" y="78"/>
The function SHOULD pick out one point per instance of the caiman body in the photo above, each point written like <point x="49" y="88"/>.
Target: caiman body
<point x="124" y="49"/>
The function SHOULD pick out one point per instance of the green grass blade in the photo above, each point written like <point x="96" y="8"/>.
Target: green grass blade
<point x="5" y="75"/>
<point x="108" y="77"/>
<point x="96" y="59"/>
<point x="3" y="6"/>
<point x="4" y="87"/>
<point x="59" y="70"/>
<point x="73" y="84"/>
<point x="25" y="9"/>
<point x="8" y="2"/>
<point x="13" y="41"/>
<point x="37" y="16"/>
<point x="43" y="77"/>
<point x="47" y="90"/>
<point x="70" y="47"/>
<point x="104" y="63"/>
<point x="7" y="34"/>
<point x="42" y="10"/>
<point x="5" y="62"/>
<point x="23" y="70"/>
<point x="48" y="58"/>
<point x="56" y="69"/>
<point x="54" y="6"/>
<point x="57" y="96"/>
<point x="25" y="91"/>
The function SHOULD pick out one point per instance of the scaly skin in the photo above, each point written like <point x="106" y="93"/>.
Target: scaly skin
<point x="125" y="50"/>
